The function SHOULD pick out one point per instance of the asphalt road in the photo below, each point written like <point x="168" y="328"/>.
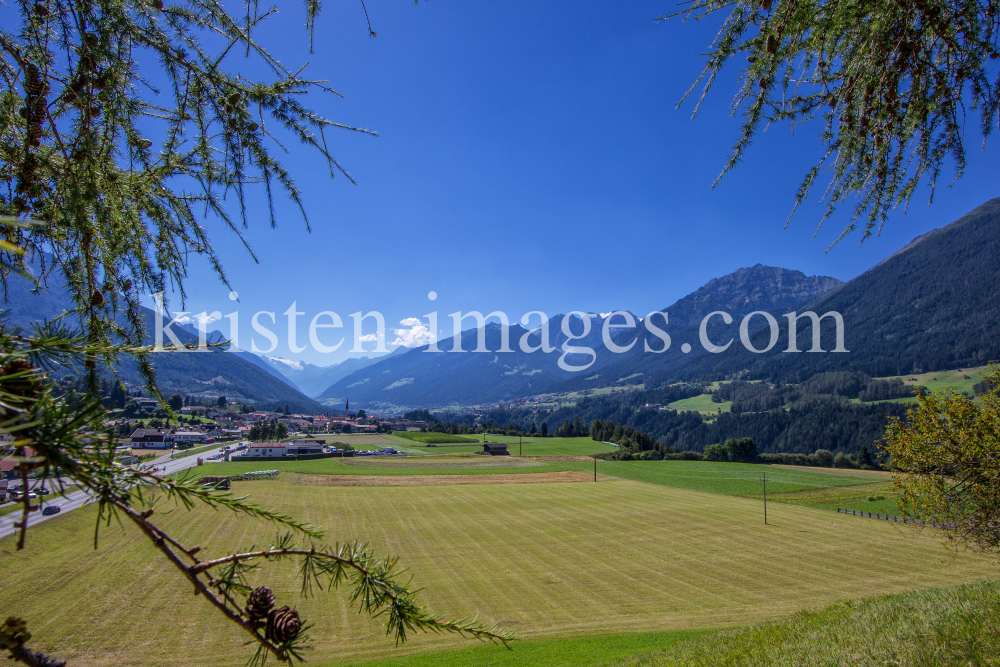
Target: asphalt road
<point x="76" y="499"/>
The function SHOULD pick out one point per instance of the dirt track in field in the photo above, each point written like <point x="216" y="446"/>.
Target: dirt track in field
<point x="437" y="480"/>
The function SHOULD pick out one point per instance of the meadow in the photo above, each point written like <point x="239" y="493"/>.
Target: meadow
<point x="551" y="560"/>
<point x="577" y="652"/>
<point x="933" y="628"/>
<point x="458" y="464"/>
<point x="701" y="403"/>
<point x="732" y="479"/>
<point x="523" y="446"/>
<point x="432" y="437"/>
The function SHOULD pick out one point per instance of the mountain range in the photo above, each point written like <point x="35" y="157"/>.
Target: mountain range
<point x="207" y="374"/>
<point x="313" y="380"/>
<point x="925" y="308"/>
<point x="428" y="379"/>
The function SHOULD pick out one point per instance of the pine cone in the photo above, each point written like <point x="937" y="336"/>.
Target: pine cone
<point x="97" y="299"/>
<point x="283" y="625"/>
<point x="260" y="602"/>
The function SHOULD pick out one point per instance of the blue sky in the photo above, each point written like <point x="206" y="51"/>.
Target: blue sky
<point x="530" y="157"/>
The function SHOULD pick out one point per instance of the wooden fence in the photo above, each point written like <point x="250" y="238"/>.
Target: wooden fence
<point x="889" y="517"/>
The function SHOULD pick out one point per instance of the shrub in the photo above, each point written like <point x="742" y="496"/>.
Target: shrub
<point x="824" y="458"/>
<point x="742" y="450"/>
<point x="715" y="453"/>
<point x="842" y="460"/>
<point x="683" y="456"/>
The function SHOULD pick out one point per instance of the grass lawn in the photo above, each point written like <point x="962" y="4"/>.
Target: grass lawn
<point x="536" y="446"/>
<point x="553" y="561"/>
<point x="444" y="465"/>
<point x="528" y="446"/>
<point x="954" y="380"/>
<point x="848" y="497"/>
<point x="579" y="652"/>
<point x="732" y="479"/>
<point x="952" y="626"/>
<point x="702" y="403"/>
<point x="433" y="437"/>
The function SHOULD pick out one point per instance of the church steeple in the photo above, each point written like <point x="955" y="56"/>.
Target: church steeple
<point x="347" y="407"/>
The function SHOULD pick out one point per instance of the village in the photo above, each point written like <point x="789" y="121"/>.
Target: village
<point x="216" y="425"/>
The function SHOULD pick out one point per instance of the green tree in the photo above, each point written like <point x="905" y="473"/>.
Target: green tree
<point x="824" y="457"/>
<point x="128" y="129"/>
<point x="740" y="450"/>
<point x="865" y="459"/>
<point x="176" y="402"/>
<point x="716" y="453"/>
<point x="893" y="83"/>
<point x="222" y="401"/>
<point x="945" y="459"/>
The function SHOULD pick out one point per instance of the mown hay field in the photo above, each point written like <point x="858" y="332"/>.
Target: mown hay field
<point x="551" y="560"/>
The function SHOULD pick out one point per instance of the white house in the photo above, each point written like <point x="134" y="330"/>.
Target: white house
<point x="266" y="449"/>
<point x="187" y="436"/>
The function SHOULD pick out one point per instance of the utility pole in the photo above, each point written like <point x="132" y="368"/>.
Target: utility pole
<point x="765" y="499"/>
<point x="520" y="444"/>
<point x="595" y="468"/>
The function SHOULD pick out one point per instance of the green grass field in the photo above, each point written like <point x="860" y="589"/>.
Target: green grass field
<point x="579" y="652"/>
<point x="955" y="380"/>
<point x="849" y="497"/>
<point x="957" y="626"/>
<point x="553" y="446"/>
<point x="526" y="446"/>
<point x="733" y="479"/>
<point x="459" y="464"/>
<point x="433" y="437"/>
<point x="552" y="560"/>
<point x="701" y="403"/>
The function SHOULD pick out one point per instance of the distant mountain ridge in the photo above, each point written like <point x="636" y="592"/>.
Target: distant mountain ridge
<point x="209" y="373"/>
<point x="310" y="379"/>
<point x="928" y="307"/>
<point x="417" y="378"/>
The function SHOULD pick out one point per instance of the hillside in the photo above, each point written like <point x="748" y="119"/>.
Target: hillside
<point x="418" y="379"/>
<point x="744" y="291"/>
<point x="204" y="373"/>
<point x="920" y="310"/>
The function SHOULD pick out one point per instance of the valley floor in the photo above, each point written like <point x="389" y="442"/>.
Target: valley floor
<point x="553" y="560"/>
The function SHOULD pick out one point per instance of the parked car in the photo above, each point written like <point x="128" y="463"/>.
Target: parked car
<point x="51" y="509"/>
<point x="42" y="491"/>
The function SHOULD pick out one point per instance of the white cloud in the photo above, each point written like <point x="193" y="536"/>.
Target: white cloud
<point x="200" y="320"/>
<point x="418" y="334"/>
<point x="296" y="365"/>
<point x="604" y="315"/>
<point x="368" y="338"/>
